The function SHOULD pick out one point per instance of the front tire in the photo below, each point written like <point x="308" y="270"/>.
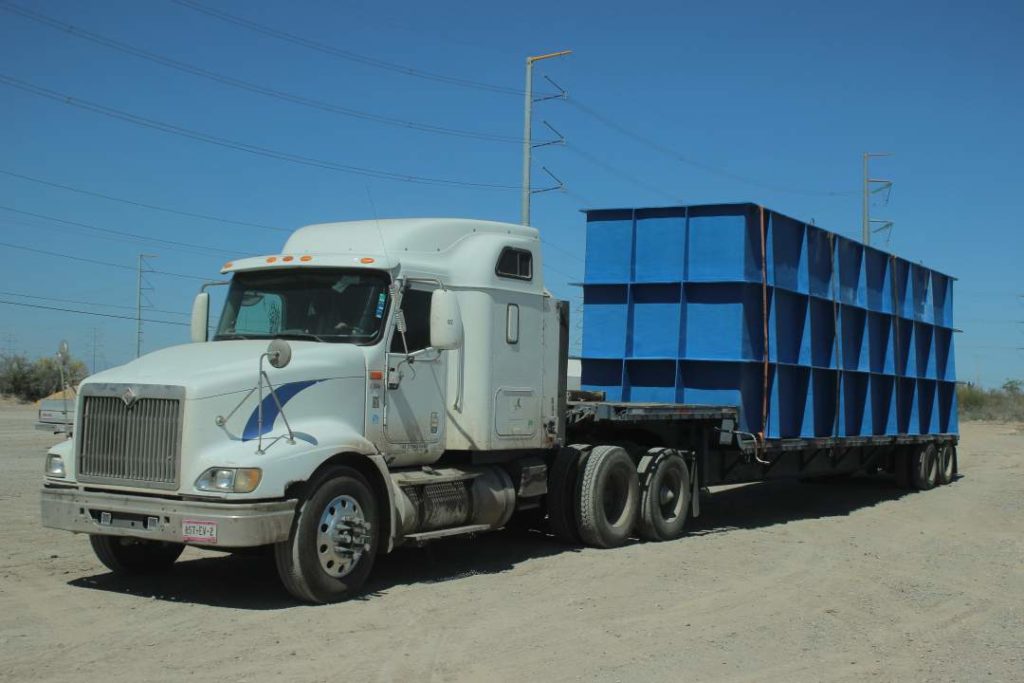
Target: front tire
<point x="127" y="555"/>
<point x="334" y="539"/>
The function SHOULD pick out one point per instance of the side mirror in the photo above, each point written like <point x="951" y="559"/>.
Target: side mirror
<point x="445" y="320"/>
<point x="200" y="317"/>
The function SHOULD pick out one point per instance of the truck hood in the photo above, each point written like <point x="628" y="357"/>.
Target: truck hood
<point x="215" y="368"/>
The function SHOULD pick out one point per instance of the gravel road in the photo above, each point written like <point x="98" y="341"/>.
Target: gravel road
<point x="779" y="581"/>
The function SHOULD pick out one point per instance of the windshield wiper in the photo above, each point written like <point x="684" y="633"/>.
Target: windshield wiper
<point x="298" y="335"/>
<point x="230" y="337"/>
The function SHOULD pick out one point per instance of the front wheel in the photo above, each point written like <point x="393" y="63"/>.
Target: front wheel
<point x="334" y="539"/>
<point x="126" y="555"/>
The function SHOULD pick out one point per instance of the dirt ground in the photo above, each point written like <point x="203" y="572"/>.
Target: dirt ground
<point x="780" y="581"/>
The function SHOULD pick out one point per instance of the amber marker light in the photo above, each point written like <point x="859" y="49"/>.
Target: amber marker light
<point x="366" y="259"/>
<point x="376" y="374"/>
<point x="227" y="265"/>
<point x="288" y="258"/>
<point x="271" y="259"/>
<point x="305" y="259"/>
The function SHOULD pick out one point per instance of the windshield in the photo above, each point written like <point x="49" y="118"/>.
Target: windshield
<point x="330" y="305"/>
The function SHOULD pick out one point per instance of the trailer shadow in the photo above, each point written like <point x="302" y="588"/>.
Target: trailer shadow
<point x="764" y="504"/>
<point x="251" y="583"/>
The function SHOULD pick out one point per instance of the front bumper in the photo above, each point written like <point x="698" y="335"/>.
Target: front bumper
<point x="238" y="525"/>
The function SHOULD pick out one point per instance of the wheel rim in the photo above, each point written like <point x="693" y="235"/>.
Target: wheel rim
<point x="670" y="497"/>
<point x="342" y="536"/>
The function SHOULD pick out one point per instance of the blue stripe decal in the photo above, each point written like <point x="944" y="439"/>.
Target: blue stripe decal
<point x="285" y="393"/>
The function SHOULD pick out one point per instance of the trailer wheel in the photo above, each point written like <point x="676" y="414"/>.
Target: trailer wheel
<point x="333" y="541"/>
<point x="947" y="462"/>
<point x="665" y="494"/>
<point x="126" y="555"/>
<point x="609" y="498"/>
<point x="563" y="480"/>
<point x="924" y="467"/>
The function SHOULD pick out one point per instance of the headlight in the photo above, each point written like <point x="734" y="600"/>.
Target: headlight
<point x="230" y="479"/>
<point x="54" y="465"/>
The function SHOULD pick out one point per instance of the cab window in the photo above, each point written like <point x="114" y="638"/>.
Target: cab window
<point x="515" y="263"/>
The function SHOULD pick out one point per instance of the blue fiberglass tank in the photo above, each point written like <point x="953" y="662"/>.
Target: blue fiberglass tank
<point x="813" y="335"/>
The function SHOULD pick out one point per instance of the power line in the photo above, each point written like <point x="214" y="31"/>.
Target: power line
<point x="252" y="87"/>
<point x="143" y="205"/>
<point x="129" y="236"/>
<point x="101" y="315"/>
<point x="88" y="303"/>
<point x="346" y="54"/>
<point x="100" y="263"/>
<point x="668" y="151"/>
<point x="619" y="172"/>
<point x="241" y="146"/>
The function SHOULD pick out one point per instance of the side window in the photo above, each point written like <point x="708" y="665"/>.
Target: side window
<point x="515" y="263"/>
<point x="416" y="306"/>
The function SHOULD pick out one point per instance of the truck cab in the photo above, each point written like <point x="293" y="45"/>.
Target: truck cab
<point x="375" y="383"/>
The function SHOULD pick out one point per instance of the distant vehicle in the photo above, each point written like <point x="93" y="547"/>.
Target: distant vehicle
<point x="57" y="415"/>
<point x="380" y="383"/>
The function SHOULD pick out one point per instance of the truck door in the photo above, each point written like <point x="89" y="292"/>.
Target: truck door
<point x="415" y="398"/>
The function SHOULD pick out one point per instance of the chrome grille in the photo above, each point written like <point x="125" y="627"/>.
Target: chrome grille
<point x="136" y="444"/>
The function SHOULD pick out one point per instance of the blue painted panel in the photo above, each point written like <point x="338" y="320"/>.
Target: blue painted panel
<point x="928" y="406"/>
<point x="853" y="338"/>
<point x="660" y="238"/>
<point x="790" y="340"/>
<point x="820" y="262"/>
<point x="605" y="321"/>
<point x="723" y="245"/>
<point x="651" y="381"/>
<point x="880" y="343"/>
<point x="942" y="300"/>
<point x="945" y="367"/>
<point x="824" y="349"/>
<point x="602" y="375"/>
<point x="853" y="404"/>
<point x="609" y="247"/>
<point x="825" y="387"/>
<point x="787" y="260"/>
<point x="879" y="284"/>
<point x="948" y="419"/>
<point x="725" y="383"/>
<point x="920" y="281"/>
<point x="902" y="291"/>
<point x="883" y="404"/>
<point x="906" y="406"/>
<point x="852" y="282"/>
<point x="791" y="409"/>
<point x="657" y="312"/>
<point x="923" y="346"/>
<point x="724" y="321"/>
<point x="905" y="346"/>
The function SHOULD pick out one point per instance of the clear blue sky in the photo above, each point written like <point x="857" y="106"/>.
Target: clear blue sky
<point x="787" y="94"/>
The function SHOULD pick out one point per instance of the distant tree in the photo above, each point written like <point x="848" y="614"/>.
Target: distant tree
<point x="31" y="381"/>
<point x="1014" y="387"/>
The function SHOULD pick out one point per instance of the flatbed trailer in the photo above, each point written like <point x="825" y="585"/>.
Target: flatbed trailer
<point x="717" y="453"/>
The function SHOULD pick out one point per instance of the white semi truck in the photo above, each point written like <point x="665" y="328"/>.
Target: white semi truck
<point x="381" y="383"/>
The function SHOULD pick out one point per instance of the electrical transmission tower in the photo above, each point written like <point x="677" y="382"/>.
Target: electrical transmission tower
<point x="873" y="186"/>
<point x="528" y="144"/>
<point x="142" y="287"/>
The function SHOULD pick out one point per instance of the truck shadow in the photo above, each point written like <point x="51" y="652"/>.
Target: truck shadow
<point x="250" y="581"/>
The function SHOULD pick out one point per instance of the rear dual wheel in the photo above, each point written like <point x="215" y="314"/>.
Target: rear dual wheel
<point x="665" y="499"/>
<point x="947" y="463"/>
